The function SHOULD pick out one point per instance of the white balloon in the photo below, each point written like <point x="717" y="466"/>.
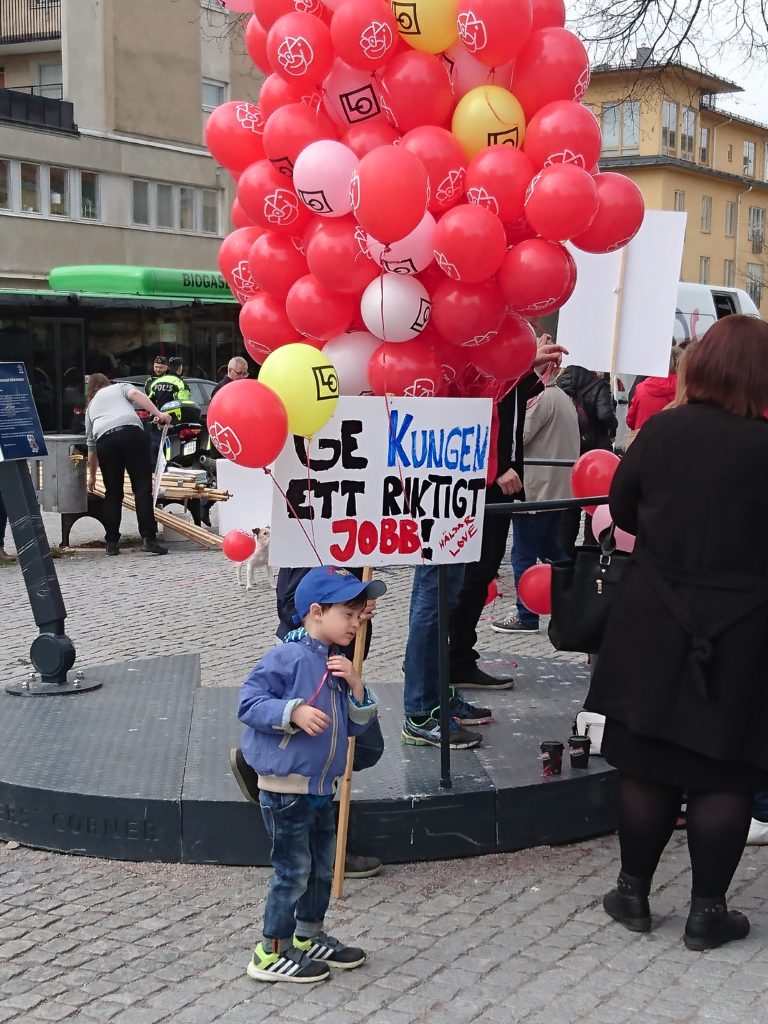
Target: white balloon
<point x="321" y="177"/>
<point x="409" y="255"/>
<point x="350" y="354"/>
<point x="395" y="308"/>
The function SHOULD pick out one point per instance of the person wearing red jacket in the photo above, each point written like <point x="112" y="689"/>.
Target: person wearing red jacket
<point x="653" y="394"/>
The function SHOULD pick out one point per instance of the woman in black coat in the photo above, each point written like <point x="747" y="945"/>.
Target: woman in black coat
<point x="681" y="675"/>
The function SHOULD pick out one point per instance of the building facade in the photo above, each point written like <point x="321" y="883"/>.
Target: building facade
<point x="662" y="127"/>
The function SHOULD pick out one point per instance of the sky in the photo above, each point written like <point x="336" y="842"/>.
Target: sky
<point x="753" y="102"/>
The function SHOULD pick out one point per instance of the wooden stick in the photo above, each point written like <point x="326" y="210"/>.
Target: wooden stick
<point x="617" y="320"/>
<point x="204" y="538"/>
<point x="345" y="793"/>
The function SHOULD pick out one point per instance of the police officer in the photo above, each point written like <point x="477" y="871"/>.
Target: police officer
<point x="168" y="387"/>
<point x="159" y="367"/>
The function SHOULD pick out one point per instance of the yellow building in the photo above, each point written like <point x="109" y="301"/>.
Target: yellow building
<point x="662" y="128"/>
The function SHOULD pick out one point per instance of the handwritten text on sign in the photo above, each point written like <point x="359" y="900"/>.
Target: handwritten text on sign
<point x="398" y="484"/>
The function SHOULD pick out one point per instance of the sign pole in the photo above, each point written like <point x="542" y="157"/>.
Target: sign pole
<point x="617" y="318"/>
<point x="443" y="677"/>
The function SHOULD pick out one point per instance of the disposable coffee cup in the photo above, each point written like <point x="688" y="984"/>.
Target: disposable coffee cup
<point x="579" y="750"/>
<point x="552" y="757"/>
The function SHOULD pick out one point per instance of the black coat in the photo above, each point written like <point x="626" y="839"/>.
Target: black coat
<point x="592" y="394"/>
<point x="685" y="653"/>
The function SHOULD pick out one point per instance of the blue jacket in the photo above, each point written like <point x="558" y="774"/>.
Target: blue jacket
<point x="287" y="759"/>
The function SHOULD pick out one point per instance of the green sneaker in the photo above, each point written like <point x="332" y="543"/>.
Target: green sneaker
<point x="327" y="950"/>
<point x="291" y="965"/>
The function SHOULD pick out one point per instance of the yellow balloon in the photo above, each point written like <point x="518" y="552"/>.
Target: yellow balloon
<point x="488" y="116"/>
<point x="307" y="383"/>
<point x="428" y="25"/>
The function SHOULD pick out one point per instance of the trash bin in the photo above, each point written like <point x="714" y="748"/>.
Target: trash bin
<point x="60" y="478"/>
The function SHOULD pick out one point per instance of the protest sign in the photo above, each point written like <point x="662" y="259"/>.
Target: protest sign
<point x="397" y="481"/>
<point x="250" y="504"/>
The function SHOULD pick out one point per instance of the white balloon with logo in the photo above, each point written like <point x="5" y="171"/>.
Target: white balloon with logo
<point x="395" y="307"/>
<point x="409" y="255"/>
<point x="350" y="354"/>
<point x="321" y="177"/>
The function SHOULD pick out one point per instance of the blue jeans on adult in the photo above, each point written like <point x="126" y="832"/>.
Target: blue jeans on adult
<point x="303" y="849"/>
<point x="422" y="692"/>
<point x="535" y="537"/>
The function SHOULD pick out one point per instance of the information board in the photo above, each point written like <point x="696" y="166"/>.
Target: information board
<point x="21" y="435"/>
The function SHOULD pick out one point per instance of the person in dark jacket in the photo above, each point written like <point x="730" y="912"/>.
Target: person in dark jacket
<point x="681" y="672"/>
<point x="237" y="369"/>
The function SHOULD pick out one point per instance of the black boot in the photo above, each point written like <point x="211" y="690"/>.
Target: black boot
<point x="628" y="903"/>
<point x="710" y="924"/>
<point x="150" y="545"/>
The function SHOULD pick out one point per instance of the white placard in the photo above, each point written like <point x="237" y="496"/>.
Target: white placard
<point x="251" y="503"/>
<point x="390" y="482"/>
<point x="587" y="324"/>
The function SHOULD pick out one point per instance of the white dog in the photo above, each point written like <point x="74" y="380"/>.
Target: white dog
<point x="259" y="557"/>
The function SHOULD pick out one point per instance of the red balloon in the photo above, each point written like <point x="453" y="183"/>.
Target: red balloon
<point x="239" y="217"/>
<point x="548" y="14"/>
<point x="620" y="210"/>
<point x="492" y="594"/>
<point x="534" y="589"/>
<point x="248" y="423"/>
<point x="389" y="193"/>
<point x="561" y="201"/>
<point x="364" y="33"/>
<point x="290" y="129"/>
<point x="470" y="243"/>
<point x="268" y="11"/>
<point x="316" y="311"/>
<point x="234" y="135"/>
<point x="519" y="231"/>
<point x="337" y="256"/>
<point x="406" y="368"/>
<point x="563" y="132"/>
<point x="276" y="263"/>
<point x="494" y="31"/>
<point x="510" y="354"/>
<point x="592" y="473"/>
<point x="497" y="178"/>
<point x="415" y="89"/>
<point x="238" y="545"/>
<point x="256" y="44"/>
<point x="264" y="325"/>
<point x="276" y="92"/>
<point x="537" y="277"/>
<point x="268" y="198"/>
<point x="233" y="262"/>
<point x="299" y="48"/>
<point x="553" y="65"/>
<point x="445" y="161"/>
<point x="368" y="135"/>
<point x="467" y="314"/>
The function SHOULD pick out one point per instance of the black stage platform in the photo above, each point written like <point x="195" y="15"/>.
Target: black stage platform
<point x="139" y="770"/>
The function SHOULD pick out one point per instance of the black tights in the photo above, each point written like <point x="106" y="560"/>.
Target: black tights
<point x="718" y="824"/>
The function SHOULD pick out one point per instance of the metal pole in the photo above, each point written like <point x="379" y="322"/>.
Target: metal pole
<point x="442" y="677"/>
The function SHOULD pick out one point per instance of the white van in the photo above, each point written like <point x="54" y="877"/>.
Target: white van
<point x="699" y="305"/>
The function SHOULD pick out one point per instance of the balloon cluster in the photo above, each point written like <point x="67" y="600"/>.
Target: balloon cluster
<point x="405" y="185"/>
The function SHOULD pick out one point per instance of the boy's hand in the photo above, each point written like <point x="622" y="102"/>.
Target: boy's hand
<point x="310" y="720"/>
<point x="369" y="611"/>
<point x="343" y="667"/>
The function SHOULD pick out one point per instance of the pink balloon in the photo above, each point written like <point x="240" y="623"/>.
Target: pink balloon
<point x="349" y="96"/>
<point x="466" y="72"/>
<point x="411" y="254"/>
<point x="239" y="6"/>
<point x="321" y="177"/>
<point x="601" y="521"/>
<point x="350" y="354"/>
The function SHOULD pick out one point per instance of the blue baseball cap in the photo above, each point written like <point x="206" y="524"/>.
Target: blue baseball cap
<point x="326" y="584"/>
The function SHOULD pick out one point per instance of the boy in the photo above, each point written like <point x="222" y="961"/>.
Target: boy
<point x="298" y="705"/>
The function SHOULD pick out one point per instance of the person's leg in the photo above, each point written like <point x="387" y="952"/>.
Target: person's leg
<point x="569" y="530"/>
<point x="421" y="692"/>
<point x="137" y="464"/>
<point x="523" y="556"/>
<point x="110" y="456"/>
<point x="549" y="528"/>
<point x="289" y="819"/>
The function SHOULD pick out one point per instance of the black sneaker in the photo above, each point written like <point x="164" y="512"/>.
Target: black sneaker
<point x="477" y="679"/>
<point x="356" y="866"/>
<point x="512" y="624"/>
<point x="465" y="713"/>
<point x="426" y="733"/>
<point x="113" y="548"/>
<point x="330" y="951"/>
<point x="151" y="547"/>
<point x="290" y="965"/>
<point x="245" y="776"/>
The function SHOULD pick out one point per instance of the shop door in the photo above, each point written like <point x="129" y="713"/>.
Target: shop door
<point x="57" y="374"/>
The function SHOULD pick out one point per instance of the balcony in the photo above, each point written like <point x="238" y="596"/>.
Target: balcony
<point x="29" y="21"/>
<point x="28" y="109"/>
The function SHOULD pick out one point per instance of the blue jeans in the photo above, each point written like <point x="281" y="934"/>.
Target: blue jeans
<point x="535" y="537"/>
<point x="303" y="849"/>
<point x="760" y="806"/>
<point x="422" y="693"/>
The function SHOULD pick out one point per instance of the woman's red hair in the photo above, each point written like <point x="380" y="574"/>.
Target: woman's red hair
<point x="730" y="367"/>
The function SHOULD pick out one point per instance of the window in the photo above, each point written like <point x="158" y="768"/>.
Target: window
<point x="730" y="154"/>
<point x="50" y="78"/>
<point x="214" y="93"/>
<point x="164" y="206"/>
<point x="756" y="227"/>
<point x="706" y="214"/>
<point x="210" y="211"/>
<point x="755" y="282"/>
<point x="58" y="192"/>
<point x="669" y="128"/>
<point x="749" y="159"/>
<point x="140" y="202"/>
<point x="688" y="133"/>
<point x="729" y="273"/>
<point x="730" y="219"/>
<point x="630" y="126"/>
<point x="703" y="269"/>
<point x="679" y="201"/>
<point x="89" y="195"/>
<point x="704" y="146"/>
<point x="5" y="184"/>
<point x="621" y="127"/>
<point x="611" y="140"/>
<point x="765" y="161"/>
<point x="30" y="188"/>
<point x="186" y="209"/>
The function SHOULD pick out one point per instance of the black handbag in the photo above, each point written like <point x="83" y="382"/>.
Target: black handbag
<point x="582" y="592"/>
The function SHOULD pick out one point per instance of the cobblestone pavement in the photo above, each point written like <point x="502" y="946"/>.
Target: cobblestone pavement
<point x="505" y="938"/>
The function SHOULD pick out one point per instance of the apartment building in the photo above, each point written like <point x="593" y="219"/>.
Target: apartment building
<point x="663" y="127"/>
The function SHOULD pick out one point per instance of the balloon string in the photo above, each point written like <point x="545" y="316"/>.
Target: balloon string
<point x="307" y="443"/>
<point x="290" y="507"/>
<point x="406" y="500"/>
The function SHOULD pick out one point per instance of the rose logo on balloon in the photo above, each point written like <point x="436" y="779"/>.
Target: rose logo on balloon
<point x="308" y="6"/>
<point x="376" y="39"/>
<point x="242" y="278"/>
<point x="402" y="267"/>
<point x="406" y="17"/>
<point x="450" y="187"/>
<point x="479" y="339"/>
<point x="354" y="191"/>
<point x="249" y="117"/>
<point x="281" y="207"/>
<point x="422" y="318"/>
<point x="312" y="100"/>
<point x="582" y="84"/>
<point x="295" y="55"/>
<point x="565" y="156"/>
<point x="533" y="183"/>
<point x="480" y="196"/>
<point x="362" y="240"/>
<point x="359" y="104"/>
<point x="508" y="137"/>
<point x="422" y="387"/>
<point x="226" y="440"/>
<point x="326" y="382"/>
<point x="316" y="201"/>
<point x="298" y="245"/>
<point x="446" y="266"/>
<point x="472" y="31"/>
